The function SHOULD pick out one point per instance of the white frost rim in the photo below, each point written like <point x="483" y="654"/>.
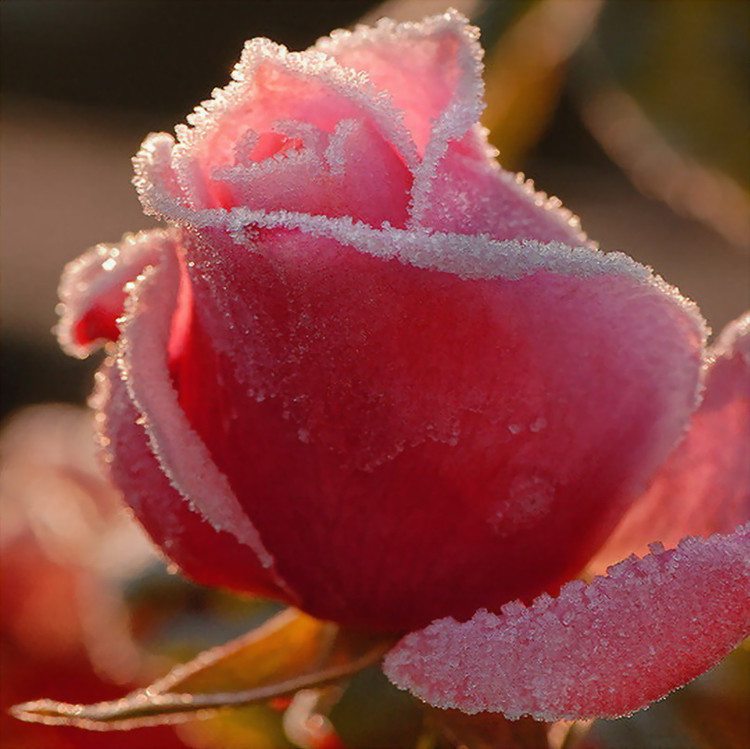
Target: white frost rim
<point x="143" y="345"/>
<point x="101" y="270"/>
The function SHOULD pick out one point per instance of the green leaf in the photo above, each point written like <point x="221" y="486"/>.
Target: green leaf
<point x="289" y="652"/>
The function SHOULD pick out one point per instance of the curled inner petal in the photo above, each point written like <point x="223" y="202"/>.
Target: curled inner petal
<point x="92" y="289"/>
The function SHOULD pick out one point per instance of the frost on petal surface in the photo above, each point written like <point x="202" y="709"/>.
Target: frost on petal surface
<point x="704" y="486"/>
<point x="444" y="67"/>
<point x="207" y="556"/>
<point x="292" y="130"/>
<point x="152" y="330"/>
<point x="426" y="412"/>
<point x="600" y="650"/>
<point x="470" y="193"/>
<point x="351" y="172"/>
<point x="459" y="186"/>
<point x="92" y="288"/>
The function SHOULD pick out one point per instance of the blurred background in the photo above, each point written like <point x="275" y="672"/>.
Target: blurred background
<point x="634" y="112"/>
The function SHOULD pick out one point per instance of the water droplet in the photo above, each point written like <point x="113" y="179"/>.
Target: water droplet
<point x="538" y="424"/>
<point x="529" y="499"/>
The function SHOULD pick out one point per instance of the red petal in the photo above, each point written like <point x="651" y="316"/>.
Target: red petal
<point x="208" y="556"/>
<point x="602" y="650"/>
<point x="150" y="330"/>
<point x="92" y="288"/>
<point x="402" y="437"/>
<point x="704" y="487"/>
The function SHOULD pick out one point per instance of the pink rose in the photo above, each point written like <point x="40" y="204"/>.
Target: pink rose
<point x="370" y="374"/>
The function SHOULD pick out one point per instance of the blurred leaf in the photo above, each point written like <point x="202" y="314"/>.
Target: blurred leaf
<point x="664" y="88"/>
<point x="374" y="714"/>
<point x="256" y="726"/>
<point x="525" y="64"/>
<point x="174" y="618"/>
<point x="490" y="730"/>
<point x="289" y="652"/>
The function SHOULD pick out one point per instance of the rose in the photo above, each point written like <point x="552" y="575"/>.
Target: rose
<point x="370" y="374"/>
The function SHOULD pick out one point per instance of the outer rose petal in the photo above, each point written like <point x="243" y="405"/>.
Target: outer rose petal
<point x="92" y="293"/>
<point x="602" y="650"/>
<point x="207" y="556"/>
<point x="704" y="487"/>
<point x="424" y="412"/>
<point x="151" y="329"/>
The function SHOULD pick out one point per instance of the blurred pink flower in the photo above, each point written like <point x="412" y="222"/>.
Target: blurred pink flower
<point x="371" y="374"/>
<point x="67" y="549"/>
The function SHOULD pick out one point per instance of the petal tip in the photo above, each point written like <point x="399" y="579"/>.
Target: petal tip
<point x="606" y="649"/>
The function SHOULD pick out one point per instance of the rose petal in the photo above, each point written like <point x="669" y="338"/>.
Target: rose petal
<point x="92" y="294"/>
<point x="207" y="556"/>
<point x="471" y="194"/>
<point x="440" y="92"/>
<point x="424" y="412"/>
<point x="457" y="187"/>
<point x="270" y="85"/>
<point x="704" y="487"/>
<point x="444" y="70"/>
<point x="148" y="334"/>
<point x="600" y="650"/>
<point x="357" y="174"/>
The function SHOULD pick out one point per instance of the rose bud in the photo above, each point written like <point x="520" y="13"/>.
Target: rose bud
<point x="369" y="373"/>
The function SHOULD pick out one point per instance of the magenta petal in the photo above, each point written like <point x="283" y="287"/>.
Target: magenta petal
<point x="704" y="487"/>
<point x="92" y="289"/>
<point x="207" y="556"/>
<point x="600" y="650"/>
<point x="153" y="326"/>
